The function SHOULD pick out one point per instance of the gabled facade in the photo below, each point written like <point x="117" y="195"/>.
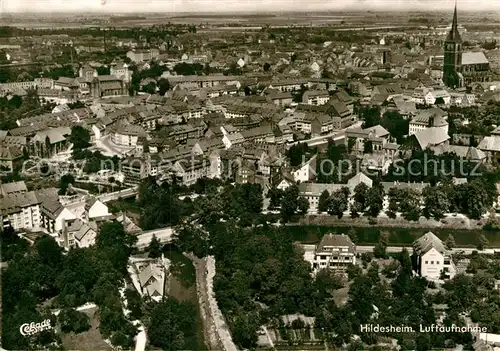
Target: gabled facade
<point x="432" y="259"/>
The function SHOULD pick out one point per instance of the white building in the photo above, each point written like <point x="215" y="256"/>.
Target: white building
<point x="335" y="252"/>
<point x="433" y="258"/>
<point x="96" y="209"/>
<point x="430" y="118"/>
<point x="437" y="96"/>
<point x="305" y="172"/>
<point x="20" y="209"/>
<point x="126" y="134"/>
<point x="78" y="234"/>
<point x="315" y="97"/>
<point x="149" y="276"/>
<point x="121" y="71"/>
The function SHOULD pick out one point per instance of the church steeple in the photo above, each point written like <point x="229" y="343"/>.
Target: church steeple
<point x="454" y="34"/>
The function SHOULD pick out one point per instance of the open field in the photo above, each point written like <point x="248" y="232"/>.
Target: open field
<point x="336" y="19"/>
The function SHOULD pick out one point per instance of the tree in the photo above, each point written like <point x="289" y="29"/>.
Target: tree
<point x="450" y="242"/>
<point x="323" y="201"/>
<point x="192" y="238"/>
<point x="267" y="67"/>
<point x="436" y="202"/>
<point x="375" y="200"/>
<point x="72" y="320"/>
<point x="482" y="242"/>
<point x="117" y="245"/>
<point x="302" y="205"/>
<point x="289" y="202"/>
<point x="396" y="125"/>
<point x="298" y="154"/>
<point x="370" y="115"/>
<point x="64" y="183"/>
<point x="275" y="196"/>
<point x="353" y="235"/>
<point x="163" y="86"/>
<point x="79" y="137"/>
<point x="149" y="88"/>
<point x="379" y="251"/>
<point x="49" y="251"/>
<point x="338" y="202"/>
<point x="171" y="323"/>
<point x="154" y="247"/>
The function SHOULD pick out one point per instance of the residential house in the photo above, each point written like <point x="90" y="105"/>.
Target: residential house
<point x="124" y="134"/>
<point x="491" y="146"/>
<point x="53" y="215"/>
<point x="151" y="276"/>
<point x="50" y="141"/>
<point x="78" y="234"/>
<point x="143" y="55"/>
<point x="233" y="139"/>
<point x="334" y="252"/>
<point x="188" y="171"/>
<point x="204" y="81"/>
<point x="7" y="189"/>
<point x="8" y="157"/>
<point x="20" y="210"/>
<point x="315" y="97"/>
<point x="432" y="259"/>
<point x="306" y="172"/>
<point x="437" y="97"/>
<point x="282" y="98"/>
<point x="94" y="209"/>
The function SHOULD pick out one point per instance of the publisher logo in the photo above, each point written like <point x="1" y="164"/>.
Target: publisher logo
<point x="34" y="328"/>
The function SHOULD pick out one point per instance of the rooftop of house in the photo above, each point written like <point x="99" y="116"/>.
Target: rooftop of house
<point x="427" y="242"/>
<point x="358" y="179"/>
<point x="435" y="115"/>
<point x="490" y="143"/>
<point x="335" y="241"/>
<point x="10" y="153"/>
<point x="13" y="188"/>
<point x="431" y="137"/>
<point x="474" y="58"/>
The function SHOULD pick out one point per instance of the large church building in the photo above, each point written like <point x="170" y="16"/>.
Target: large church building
<point x="462" y="68"/>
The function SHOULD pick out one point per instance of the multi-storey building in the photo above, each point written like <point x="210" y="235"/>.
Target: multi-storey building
<point x="334" y="252"/>
<point x="430" y="118"/>
<point x="432" y="259"/>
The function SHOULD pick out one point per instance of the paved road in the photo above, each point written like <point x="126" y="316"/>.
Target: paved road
<point x="164" y="235"/>
<point x="393" y="249"/>
<point x="125" y="193"/>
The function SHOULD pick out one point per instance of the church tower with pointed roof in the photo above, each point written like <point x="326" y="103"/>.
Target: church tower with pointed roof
<point x="452" y="77"/>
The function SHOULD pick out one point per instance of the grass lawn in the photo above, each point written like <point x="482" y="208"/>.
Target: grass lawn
<point x="90" y="340"/>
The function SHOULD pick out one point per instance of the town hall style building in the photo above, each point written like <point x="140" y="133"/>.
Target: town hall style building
<point x="462" y="68"/>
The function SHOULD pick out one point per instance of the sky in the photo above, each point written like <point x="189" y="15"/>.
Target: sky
<point x="122" y="6"/>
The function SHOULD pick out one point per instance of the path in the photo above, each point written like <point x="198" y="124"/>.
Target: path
<point x="84" y="307"/>
<point x="217" y="336"/>
<point x="141" y="337"/>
